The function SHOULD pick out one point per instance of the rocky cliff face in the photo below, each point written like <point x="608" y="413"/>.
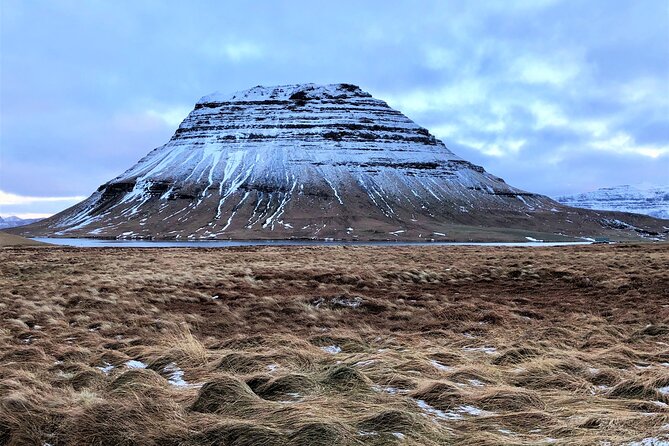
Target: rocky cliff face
<point x="649" y="201"/>
<point x="307" y="161"/>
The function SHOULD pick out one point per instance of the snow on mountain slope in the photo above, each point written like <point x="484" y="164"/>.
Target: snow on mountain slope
<point x="649" y="201"/>
<point x="12" y="221"/>
<point x="305" y="161"/>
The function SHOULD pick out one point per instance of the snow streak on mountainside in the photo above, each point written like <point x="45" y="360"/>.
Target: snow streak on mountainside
<point x="649" y="201"/>
<point x="304" y="161"/>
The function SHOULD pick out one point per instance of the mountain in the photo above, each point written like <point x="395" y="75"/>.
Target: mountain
<point x="649" y="201"/>
<point x="12" y="222"/>
<point x="316" y="162"/>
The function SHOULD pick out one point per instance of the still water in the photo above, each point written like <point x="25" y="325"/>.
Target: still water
<point x="100" y="243"/>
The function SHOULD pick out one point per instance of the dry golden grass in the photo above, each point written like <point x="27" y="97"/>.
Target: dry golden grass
<point x="15" y="240"/>
<point x="334" y="346"/>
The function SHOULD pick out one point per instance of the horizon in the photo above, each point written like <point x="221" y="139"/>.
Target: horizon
<point x="554" y="97"/>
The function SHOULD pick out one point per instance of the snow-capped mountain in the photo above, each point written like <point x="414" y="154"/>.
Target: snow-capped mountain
<point x="649" y="201"/>
<point x="309" y="161"/>
<point x="12" y="221"/>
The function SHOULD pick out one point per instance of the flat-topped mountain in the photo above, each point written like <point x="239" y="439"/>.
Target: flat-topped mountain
<point x="316" y="161"/>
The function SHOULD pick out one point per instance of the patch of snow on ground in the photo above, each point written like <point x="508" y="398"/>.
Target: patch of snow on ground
<point x="600" y="388"/>
<point x="440" y="366"/>
<point x="399" y="435"/>
<point x="436" y="412"/>
<point x="295" y="397"/>
<point x="353" y="302"/>
<point x="367" y="434"/>
<point x="106" y="369"/>
<point x="365" y="363"/>
<point x="532" y="239"/>
<point x="332" y="349"/>
<point x="452" y="415"/>
<point x="390" y="390"/>
<point x="133" y="364"/>
<point x="486" y="350"/>
<point x="651" y="441"/>
<point x="471" y="410"/>
<point x="664" y="390"/>
<point x="175" y="376"/>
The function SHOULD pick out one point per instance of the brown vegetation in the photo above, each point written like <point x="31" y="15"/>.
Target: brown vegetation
<point x="7" y="239"/>
<point x="334" y="346"/>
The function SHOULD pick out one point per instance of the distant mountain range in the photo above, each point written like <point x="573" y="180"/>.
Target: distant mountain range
<point x="12" y="222"/>
<point x="649" y="201"/>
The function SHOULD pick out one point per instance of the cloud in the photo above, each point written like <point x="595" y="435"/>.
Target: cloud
<point x="9" y="199"/>
<point x="171" y="116"/>
<point x="242" y="50"/>
<point x="541" y="70"/>
<point x="24" y="206"/>
<point x="232" y="51"/>
<point x="550" y="95"/>
<point x="467" y="92"/>
<point x="439" y="58"/>
<point x="624" y="143"/>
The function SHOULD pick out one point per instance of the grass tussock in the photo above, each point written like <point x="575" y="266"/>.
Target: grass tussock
<point x="510" y="400"/>
<point x="287" y="386"/>
<point x="320" y="433"/>
<point x="184" y="345"/>
<point x="335" y="346"/>
<point x="225" y="395"/>
<point x="238" y="434"/>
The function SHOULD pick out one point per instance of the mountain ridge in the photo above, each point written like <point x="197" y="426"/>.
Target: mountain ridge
<point x="653" y="201"/>
<point x="14" y="221"/>
<point x="312" y="162"/>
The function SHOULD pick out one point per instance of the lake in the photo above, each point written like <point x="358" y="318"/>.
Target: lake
<point x="102" y="243"/>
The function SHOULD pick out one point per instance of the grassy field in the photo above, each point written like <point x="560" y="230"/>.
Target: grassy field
<point x="15" y="240"/>
<point x="335" y="346"/>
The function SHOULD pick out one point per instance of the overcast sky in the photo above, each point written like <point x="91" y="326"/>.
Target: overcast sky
<point x="554" y="96"/>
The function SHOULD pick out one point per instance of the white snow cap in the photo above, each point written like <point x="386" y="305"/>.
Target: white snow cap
<point x="285" y="92"/>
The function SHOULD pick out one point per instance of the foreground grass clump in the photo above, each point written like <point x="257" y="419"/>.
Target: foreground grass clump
<point x="334" y="346"/>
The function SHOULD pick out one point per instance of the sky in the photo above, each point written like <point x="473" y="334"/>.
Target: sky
<point x="556" y="97"/>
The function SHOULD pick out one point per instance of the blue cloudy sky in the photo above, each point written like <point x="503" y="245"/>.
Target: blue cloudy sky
<point x="554" y="96"/>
